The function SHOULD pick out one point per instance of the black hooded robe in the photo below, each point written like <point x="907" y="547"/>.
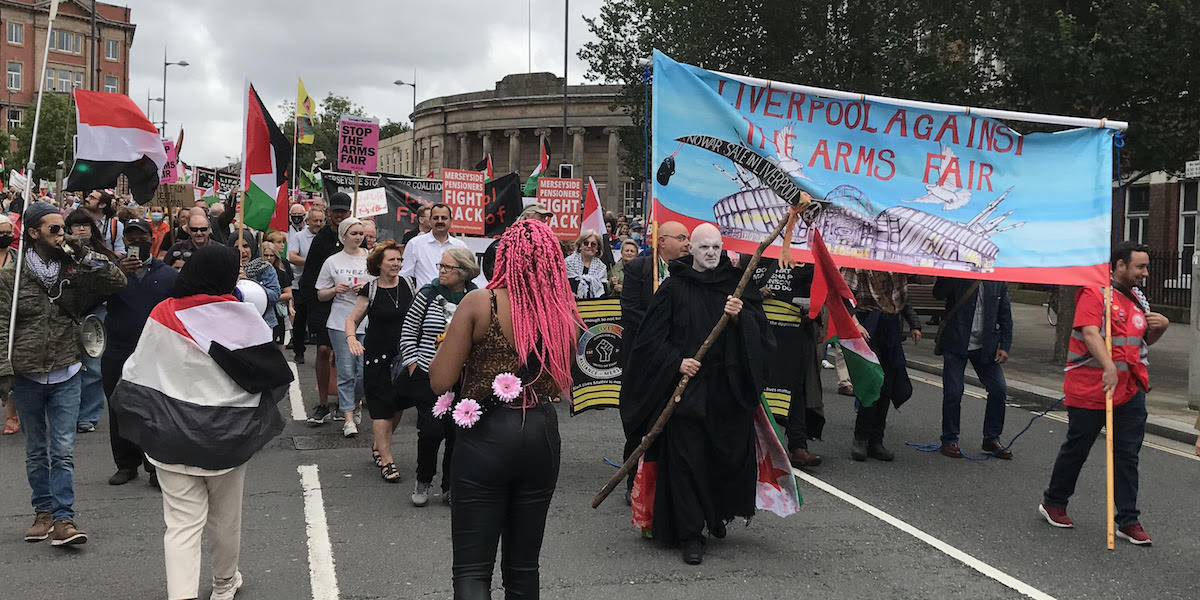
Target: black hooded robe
<point x="705" y="455"/>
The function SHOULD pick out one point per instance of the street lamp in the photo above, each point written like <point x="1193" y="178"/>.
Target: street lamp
<point x="182" y="63"/>
<point x="413" y="149"/>
<point x="148" y="101"/>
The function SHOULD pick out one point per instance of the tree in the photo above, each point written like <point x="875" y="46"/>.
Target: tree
<point x="392" y="128"/>
<point x="55" y="142"/>
<point x="325" y="129"/>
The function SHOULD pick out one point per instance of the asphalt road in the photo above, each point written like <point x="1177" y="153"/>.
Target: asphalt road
<point x="924" y="526"/>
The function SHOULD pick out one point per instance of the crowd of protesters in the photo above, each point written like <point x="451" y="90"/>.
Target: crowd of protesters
<point x="407" y="323"/>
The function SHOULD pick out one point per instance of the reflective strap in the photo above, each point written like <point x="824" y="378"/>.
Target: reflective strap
<point x="1120" y="340"/>
<point x="1081" y="360"/>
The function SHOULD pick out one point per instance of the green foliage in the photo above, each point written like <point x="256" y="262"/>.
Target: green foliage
<point x="56" y="134"/>
<point x="325" y="129"/>
<point x="392" y="128"/>
<point x="1121" y="59"/>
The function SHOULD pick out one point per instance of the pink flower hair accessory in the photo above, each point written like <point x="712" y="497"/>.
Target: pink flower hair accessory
<point x="467" y="413"/>
<point x="442" y="406"/>
<point x="507" y="387"/>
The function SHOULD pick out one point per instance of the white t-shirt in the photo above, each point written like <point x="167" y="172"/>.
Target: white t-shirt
<point x="343" y="268"/>
<point x="299" y="242"/>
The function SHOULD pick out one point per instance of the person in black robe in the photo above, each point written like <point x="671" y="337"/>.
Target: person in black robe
<point x="794" y="377"/>
<point x="706" y="468"/>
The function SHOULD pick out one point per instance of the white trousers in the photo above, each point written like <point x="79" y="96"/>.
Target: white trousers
<point x="192" y="505"/>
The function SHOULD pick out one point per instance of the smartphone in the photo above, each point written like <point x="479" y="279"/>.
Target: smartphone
<point x="141" y="251"/>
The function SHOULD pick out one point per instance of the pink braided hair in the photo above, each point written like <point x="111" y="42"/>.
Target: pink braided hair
<point x="529" y="264"/>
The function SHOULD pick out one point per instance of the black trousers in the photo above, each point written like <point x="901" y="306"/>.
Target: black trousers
<point x="300" y="323"/>
<point x="431" y="431"/>
<point x="504" y="473"/>
<point x="886" y="341"/>
<point x="126" y="454"/>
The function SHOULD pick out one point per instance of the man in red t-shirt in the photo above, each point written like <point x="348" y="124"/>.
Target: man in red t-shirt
<point x="1091" y="373"/>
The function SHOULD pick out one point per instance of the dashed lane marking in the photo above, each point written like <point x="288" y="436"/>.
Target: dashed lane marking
<point x="294" y="396"/>
<point x="321" y="576"/>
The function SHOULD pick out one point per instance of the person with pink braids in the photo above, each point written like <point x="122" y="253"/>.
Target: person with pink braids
<point x="505" y="465"/>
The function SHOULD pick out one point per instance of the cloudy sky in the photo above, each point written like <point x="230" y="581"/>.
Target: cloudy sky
<point x="353" y="48"/>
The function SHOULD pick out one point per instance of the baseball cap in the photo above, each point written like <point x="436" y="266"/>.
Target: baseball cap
<point x="139" y="224"/>
<point x="339" y="201"/>
<point x="537" y="209"/>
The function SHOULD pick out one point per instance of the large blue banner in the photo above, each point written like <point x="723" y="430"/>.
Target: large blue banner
<point x="910" y="189"/>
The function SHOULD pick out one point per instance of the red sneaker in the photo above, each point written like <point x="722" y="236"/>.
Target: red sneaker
<point x="1056" y="516"/>
<point x="1135" y="534"/>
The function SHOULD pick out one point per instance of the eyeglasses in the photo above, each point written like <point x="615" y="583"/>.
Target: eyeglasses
<point x="442" y="267"/>
<point x="681" y="237"/>
<point x="198" y="229"/>
<point x="55" y="229"/>
<point x="589" y="245"/>
<point x="184" y="254"/>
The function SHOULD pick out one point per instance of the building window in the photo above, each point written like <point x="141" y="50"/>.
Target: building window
<point x="79" y="79"/>
<point x="65" y="41"/>
<point x="14" y="76"/>
<point x="16" y="33"/>
<point x="110" y="84"/>
<point x="64" y="80"/>
<point x="112" y="50"/>
<point x="1137" y="213"/>
<point x="1187" y="221"/>
<point x="631" y="199"/>
<point x="14" y="118"/>
<point x="50" y="79"/>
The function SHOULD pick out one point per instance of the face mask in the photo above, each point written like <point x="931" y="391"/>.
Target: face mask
<point x="5" y="240"/>
<point x="297" y="219"/>
<point x="156" y="216"/>
<point x="637" y="237"/>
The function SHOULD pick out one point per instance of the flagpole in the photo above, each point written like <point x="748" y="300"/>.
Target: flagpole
<point x="1108" y="426"/>
<point x="354" y="200"/>
<point x="295" y="139"/>
<point x="677" y="395"/>
<point x="37" y="116"/>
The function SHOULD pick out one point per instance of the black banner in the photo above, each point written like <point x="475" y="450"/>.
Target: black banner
<point x="225" y="181"/>
<point x="596" y="369"/>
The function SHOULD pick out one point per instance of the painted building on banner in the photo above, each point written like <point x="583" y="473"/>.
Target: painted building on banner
<point x="77" y="59"/>
<point x="509" y="122"/>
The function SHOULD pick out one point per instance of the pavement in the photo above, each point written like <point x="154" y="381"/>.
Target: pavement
<point x="319" y="522"/>
<point x="1035" y="378"/>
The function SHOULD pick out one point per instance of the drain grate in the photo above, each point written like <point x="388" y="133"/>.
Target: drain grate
<point x="330" y="442"/>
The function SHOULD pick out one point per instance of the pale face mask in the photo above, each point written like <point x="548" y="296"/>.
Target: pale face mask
<point x="706" y="249"/>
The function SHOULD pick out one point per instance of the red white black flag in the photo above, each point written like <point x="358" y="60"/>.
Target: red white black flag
<point x="114" y="137"/>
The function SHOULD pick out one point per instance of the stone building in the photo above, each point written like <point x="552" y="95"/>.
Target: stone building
<point x="509" y="122"/>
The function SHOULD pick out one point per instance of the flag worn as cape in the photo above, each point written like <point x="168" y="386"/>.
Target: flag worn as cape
<point x="485" y="166"/>
<point x="306" y="110"/>
<point x="830" y="289"/>
<point x="593" y="216"/>
<point x="543" y="164"/>
<point x="113" y="137"/>
<point x="202" y="386"/>
<point x="266" y="155"/>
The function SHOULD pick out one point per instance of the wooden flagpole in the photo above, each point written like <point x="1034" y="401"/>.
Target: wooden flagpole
<point x="1109" y="505"/>
<point x="354" y="200"/>
<point x="654" y="255"/>
<point x="677" y="395"/>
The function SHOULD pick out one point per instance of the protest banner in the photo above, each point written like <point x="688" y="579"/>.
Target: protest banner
<point x="462" y="191"/>
<point x="225" y="181"/>
<point x="596" y="364"/>
<point x="910" y="188"/>
<point x="371" y="202"/>
<point x="170" y="170"/>
<point x="174" y="195"/>
<point x="358" y="144"/>
<point x="564" y="197"/>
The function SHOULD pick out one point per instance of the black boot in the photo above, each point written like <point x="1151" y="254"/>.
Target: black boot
<point x="877" y="451"/>
<point x="693" y="552"/>
<point x="858" y="450"/>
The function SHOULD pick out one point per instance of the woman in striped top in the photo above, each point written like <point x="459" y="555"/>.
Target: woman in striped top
<point x="426" y="321"/>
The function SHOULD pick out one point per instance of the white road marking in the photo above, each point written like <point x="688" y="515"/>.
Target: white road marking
<point x="294" y="395"/>
<point x="321" y="576"/>
<point x="966" y="559"/>
<point x="1062" y="419"/>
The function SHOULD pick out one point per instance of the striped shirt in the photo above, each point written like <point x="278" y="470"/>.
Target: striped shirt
<point x="425" y="321"/>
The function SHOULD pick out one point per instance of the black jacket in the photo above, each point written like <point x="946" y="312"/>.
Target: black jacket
<point x="955" y="333"/>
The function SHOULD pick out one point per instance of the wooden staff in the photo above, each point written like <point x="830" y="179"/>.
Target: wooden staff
<point x="677" y="395"/>
<point x="653" y="229"/>
<point x="1108" y="425"/>
<point x="354" y="200"/>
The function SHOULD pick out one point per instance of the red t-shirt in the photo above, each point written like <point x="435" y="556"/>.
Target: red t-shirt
<point x="1082" y="385"/>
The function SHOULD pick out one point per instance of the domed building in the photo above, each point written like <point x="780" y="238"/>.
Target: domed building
<point x="509" y="122"/>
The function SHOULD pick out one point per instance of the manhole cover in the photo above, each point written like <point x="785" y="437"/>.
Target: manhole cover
<point x="329" y="442"/>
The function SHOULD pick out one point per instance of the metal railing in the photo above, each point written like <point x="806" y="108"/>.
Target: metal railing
<point x="1170" y="280"/>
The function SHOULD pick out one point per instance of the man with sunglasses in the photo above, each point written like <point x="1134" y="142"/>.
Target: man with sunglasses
<point x="200" y="233"/>
<point x="99" y="205"/>
<point x="57" y="282"/>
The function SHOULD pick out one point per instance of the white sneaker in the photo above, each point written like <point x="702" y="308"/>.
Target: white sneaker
<point x="420" y="496"/>
<point x="225" y="589"/>
<point x="826" y="364"/>
<point x="358" y="414"/>
<point x="349" y="429"/>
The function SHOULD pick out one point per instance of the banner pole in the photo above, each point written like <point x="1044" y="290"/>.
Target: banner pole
<point x="354" y="200"/>
<point x="295" y="139"/>
<point x="1108" y="427"/>
<point x="654" y="254"/>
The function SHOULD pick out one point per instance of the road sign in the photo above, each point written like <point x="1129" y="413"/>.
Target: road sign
<point x="1191" y="169"/>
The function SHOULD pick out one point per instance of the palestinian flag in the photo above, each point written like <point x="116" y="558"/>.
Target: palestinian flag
<point x="310" y="182"/>
<point x="593" y="216"/>
<point x="265" y="157"/>
<point x="113" y="137"/>
<point x="202" y="385"/>
<point x="485" y="166"/>
<point x="543" y="165"/>
<point x="829" y="289"/>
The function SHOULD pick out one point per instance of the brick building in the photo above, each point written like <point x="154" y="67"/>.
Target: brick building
<point x="70" y="64"/>
<point x="509" y="123"/>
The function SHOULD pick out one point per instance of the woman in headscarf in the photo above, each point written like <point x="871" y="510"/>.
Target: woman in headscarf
<point x="586" y="272"/>
<point x="199" y="397"/>
<point x="342" y="276"/>
<point x="510" y="346"/>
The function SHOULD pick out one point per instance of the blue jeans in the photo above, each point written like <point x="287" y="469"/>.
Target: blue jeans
<point x="1083" y="425"/>
<point x="349" y="370"/>
<point x="991" y="375"/>
<point x="48" y="415"/>
<point x="91" y="392"/>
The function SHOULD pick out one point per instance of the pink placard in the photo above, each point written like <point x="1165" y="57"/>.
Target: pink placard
<point x="170" y="171"/>
<point x="358" y="144"/>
